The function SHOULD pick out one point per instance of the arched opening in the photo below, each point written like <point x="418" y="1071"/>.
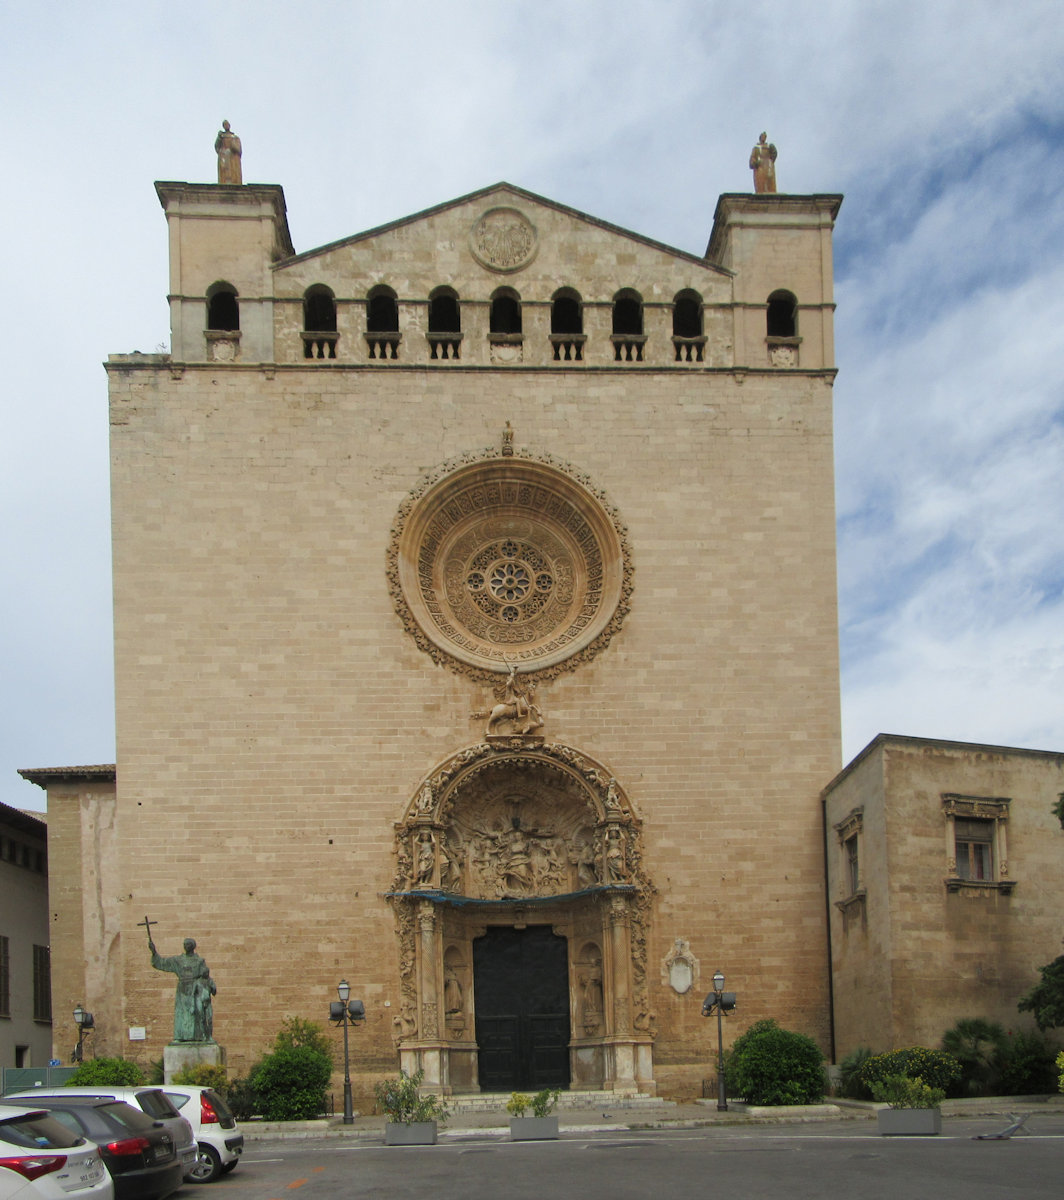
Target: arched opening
<point x="382" y="323"/>
<point x="628" y="313"/>
<point x="567" y="326"/>
<point x="628" y="335"/>
<point x="782" y="318"/>
<point x="223" y="309"/>
<point x="319" y="322"/>
<point x="382" y="311"/>
<point x="505" y="314"/>
<point x="445" y="323"/>
<point x="687" y="334"/>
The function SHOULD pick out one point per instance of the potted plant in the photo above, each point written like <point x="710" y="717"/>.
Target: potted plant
<point x="413" y="1119"/>
<point x="913" y="1110"/>
<point x="541" y="1125"/>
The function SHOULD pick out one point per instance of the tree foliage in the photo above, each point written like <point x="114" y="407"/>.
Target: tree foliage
<point x="770" y="1065"/>
<point x="204" y="1075"/>
<point x="117" y="1072"/>
<point x="935" y="1067"/>
<point x="978" y="1046"/>
<point x="1046" y="999"/>
<point x="297" y="1033"/>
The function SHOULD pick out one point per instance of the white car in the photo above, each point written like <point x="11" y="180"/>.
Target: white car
<point x="149" y="1098"/>
<point x="40" y="1159"/>
<point x="214" y="1127"/>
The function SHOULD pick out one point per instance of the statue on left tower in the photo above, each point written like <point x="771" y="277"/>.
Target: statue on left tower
<point x="227" y="147"/>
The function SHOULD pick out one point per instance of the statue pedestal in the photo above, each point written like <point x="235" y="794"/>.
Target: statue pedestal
<point x="179" y="1055"/>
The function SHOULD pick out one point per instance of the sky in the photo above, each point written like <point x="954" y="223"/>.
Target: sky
<point x="941" y="122"/>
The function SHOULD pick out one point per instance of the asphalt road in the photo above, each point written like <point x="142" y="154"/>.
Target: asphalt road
<point x="796" y="1162"/>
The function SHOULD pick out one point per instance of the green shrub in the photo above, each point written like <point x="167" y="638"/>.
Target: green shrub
<point x="770" y="1065"/>
<point x="850" y="1084"/>
<point x="243" y="1097"/>
<point x="204" y="1075"/>
<point x="935" y="1067"/>
<point x="297" y="1033"/>
<point x="115" y="1071"/>
<point x="1060" y="1068"/>
<point x="1025" y="1065"/>
<point x="291" y="1084"/>
<point x="399" y="1100"/>
<point x="976" y="1044"/>
<point x="899" y="1091"/>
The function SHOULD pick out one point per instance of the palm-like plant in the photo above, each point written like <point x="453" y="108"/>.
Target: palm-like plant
<point x="976" y="1045"/>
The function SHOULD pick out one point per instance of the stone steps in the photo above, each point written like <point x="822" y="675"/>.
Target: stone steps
<point x="572" y="1101"/>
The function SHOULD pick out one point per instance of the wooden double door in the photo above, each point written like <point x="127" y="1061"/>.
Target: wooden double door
<point x="521" y="989"/>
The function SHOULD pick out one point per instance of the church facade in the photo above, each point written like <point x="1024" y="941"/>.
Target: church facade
<point x="475" y="640"/>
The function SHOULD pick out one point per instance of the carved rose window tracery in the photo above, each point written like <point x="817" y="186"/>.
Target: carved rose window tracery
<point x="509" y="560"/>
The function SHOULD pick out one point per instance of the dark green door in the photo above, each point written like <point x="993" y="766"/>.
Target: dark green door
<point x="521" y="985"/>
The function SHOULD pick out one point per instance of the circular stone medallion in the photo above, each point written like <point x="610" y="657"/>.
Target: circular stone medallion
<point x="509" y="560"/>
<point x="503" y="240"/>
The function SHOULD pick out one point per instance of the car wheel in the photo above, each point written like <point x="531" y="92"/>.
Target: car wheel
<point x="229" y="1166"/>
<point x="208" y="1165"/>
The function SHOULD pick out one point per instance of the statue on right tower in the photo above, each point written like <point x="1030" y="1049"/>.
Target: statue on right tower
<point x="763" y="164"/>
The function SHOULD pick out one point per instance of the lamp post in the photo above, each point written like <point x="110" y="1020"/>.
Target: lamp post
<point x="723" y="1002"/>
<point x="346" y="1012"/>
<point x="84" y="1021"/>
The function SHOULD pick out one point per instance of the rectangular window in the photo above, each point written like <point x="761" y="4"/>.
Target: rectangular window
<point x="853" y="866"/>
<point x="975" y="849"/>
<point x="42" y="983"/>
<point x="5" y="977"/>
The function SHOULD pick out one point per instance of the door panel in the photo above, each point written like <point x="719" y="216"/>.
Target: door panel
<point x="521" y="988"/>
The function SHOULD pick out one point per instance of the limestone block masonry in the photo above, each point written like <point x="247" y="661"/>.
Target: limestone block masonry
<point x="635" y="511"/>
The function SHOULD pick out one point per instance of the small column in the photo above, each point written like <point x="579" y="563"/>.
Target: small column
<point x="430" y="1008"/>
<point x="622" y="953"/>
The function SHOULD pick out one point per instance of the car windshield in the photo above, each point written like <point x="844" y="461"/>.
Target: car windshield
<point x="38" y="1133"/>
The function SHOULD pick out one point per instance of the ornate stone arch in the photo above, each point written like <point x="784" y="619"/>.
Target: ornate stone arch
<point x="513" y="831"/>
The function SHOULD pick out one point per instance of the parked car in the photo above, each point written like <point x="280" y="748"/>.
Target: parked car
<point x="138" y="1151"/>
<point x="214" y="1127"/>
<point x="148" y="1098"/>
<point x="40" y="1159"/>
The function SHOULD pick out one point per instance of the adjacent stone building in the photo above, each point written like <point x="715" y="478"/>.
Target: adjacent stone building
<point x="944" y="877"/>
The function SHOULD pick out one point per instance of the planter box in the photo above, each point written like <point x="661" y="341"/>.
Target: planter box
<point x="533" y="1129"/>
<point x="421" y="1133"/>
<point x="909" y="1122"/>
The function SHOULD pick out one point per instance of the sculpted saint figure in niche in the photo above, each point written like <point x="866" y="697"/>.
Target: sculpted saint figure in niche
<point x="763" y="164"/>
<point x="426" y="858"/>
<point x="227" y="147"/>
<point x="193" y="1010"/>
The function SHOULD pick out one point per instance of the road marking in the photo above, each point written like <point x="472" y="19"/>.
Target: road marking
<point x="296" y="1183"/>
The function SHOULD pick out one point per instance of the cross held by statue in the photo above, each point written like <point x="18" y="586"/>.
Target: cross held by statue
<point x="147" y="926"/>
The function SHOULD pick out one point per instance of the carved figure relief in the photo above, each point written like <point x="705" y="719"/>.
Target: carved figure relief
<point x="517" y="710"/>
<point x="503" y="240"/>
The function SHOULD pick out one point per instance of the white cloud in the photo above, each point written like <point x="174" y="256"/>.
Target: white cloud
<point x="942" y="122"/>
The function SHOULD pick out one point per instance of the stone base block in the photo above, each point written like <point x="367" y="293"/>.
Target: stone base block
<point x="179" y="1055"/>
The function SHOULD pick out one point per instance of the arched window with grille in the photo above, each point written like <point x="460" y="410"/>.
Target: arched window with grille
<point x="319" y="322"/>
<point x="628" y="337"/>
<point x="382" y="323"/>
<point x="688" y="337"/>
<point x="445" y="323"/>
<point x="567" y="325"/>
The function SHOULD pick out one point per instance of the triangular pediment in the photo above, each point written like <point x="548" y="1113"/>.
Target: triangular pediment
<point x="501" y="234"/>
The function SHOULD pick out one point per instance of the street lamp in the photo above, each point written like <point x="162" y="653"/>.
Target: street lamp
<point x="84" y="1021"/>
<point x="346" y="1012"/>
<point x="723" y="1002"/>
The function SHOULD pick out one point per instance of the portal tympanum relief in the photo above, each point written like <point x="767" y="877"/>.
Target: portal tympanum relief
<point x="509" y="569"/>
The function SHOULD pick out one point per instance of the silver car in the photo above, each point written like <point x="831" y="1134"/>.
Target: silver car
<point x="150" y="1099"/>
